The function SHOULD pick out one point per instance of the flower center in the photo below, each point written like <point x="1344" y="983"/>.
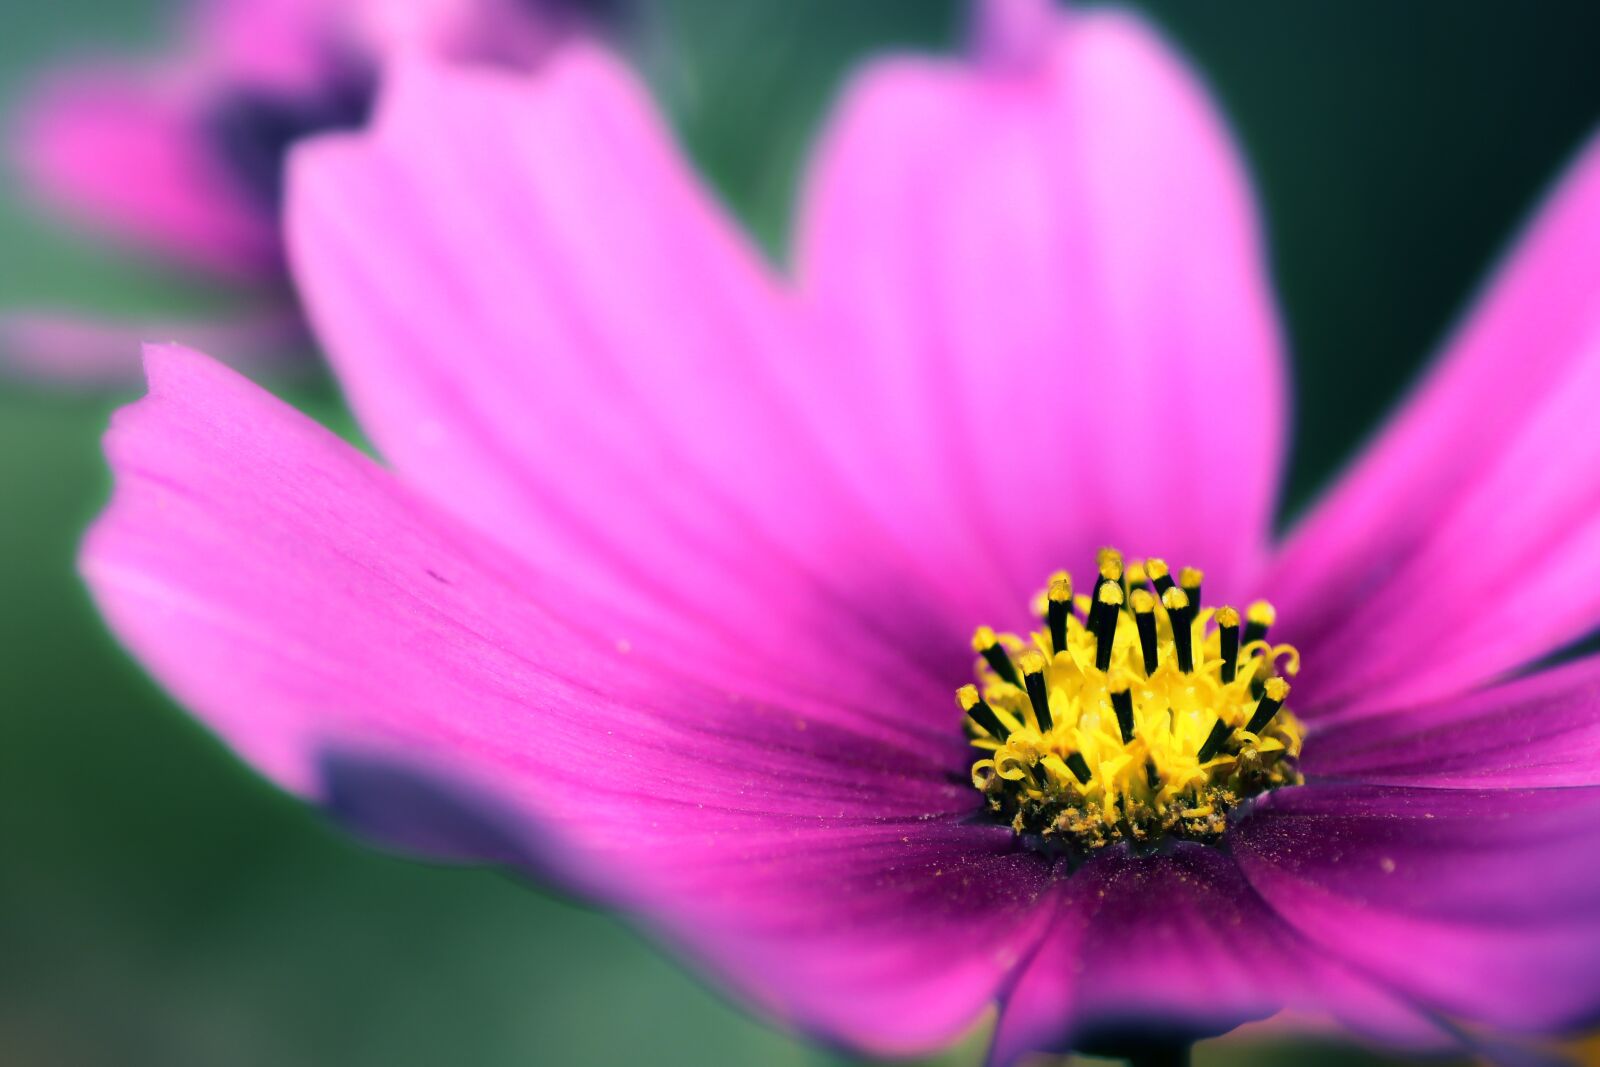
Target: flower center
<point x="1135" y="713"/>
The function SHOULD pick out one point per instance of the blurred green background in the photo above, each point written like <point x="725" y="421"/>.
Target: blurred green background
<point x="158" y="905"/>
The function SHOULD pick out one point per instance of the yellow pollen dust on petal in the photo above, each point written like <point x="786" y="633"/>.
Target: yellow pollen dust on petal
<point x="1133" y="713"/>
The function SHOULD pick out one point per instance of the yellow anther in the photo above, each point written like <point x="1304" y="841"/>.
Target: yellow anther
<point x="1091" y="736"/>
<point x="1108" y="557"/>
<point x="1261" y="613"/>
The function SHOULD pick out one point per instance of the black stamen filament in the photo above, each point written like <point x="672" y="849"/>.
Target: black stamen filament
<point x="1060" y="608"/>
<point x="1181" y="614"/>
<point x="1258" y="619"/>
<point x="1091" y="621"/>
<point x="1160" y="577"/>
<point x="997" y="659"/>
<point x="1228" y="642"/>
<point x="1276" y="691"/>
<point x="1122" y="702"/>
<point x="1109" y="601"/>
<point x="1039" y="696"/>
<point x="1133" y="578"/>
<point x="1110" y="565"/>
<point x="984" y="716"/>
<point x="1214" y="741"/>
<point x="1041" y="775"/>
<point x="1144" y="618"/>
<point x="1189" y="580"/>
<point x="1079" y="767"/>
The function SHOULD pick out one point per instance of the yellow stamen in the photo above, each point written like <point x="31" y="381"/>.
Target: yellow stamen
<point x="1098" y="735"/>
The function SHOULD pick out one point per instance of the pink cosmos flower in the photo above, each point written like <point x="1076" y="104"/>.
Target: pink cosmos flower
<point x="182" y="158"/>
<point x="671" y="576"/>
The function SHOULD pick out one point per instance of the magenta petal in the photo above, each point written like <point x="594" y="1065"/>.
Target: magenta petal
<point x="308" y="608"/>
<point x="545" y="324"/>
<point x="1481" y="904"/>
<point x="282" y="46"/>
<point x="1462" y="545"/>
<point x="1534" y="732"/>
<point x="1175" y="946"/>
<point x="125" y="151"/>
<point x="1044" y="284"/>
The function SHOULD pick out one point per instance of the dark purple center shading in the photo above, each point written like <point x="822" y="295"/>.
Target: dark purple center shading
<point x="253" y="129"/>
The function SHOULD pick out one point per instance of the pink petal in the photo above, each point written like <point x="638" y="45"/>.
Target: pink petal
<point x="1462" y="545"/>
<point x="1174" y="946"/>
<point x="126" y="151"/>
<point x="280" y="46"/>
<point x="304" y="604"/>
<point x="64" y="348"/>
<point x="517" y="32"/>
<point x="1479" y="904"/>
<point x="544" y="322"/>
<point x="1535" y="732"/>
<point x="1043" y="290"/>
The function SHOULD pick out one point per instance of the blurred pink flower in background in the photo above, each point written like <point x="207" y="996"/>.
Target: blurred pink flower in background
<point x="670" y="582"/>
<point x="181" y="158"/>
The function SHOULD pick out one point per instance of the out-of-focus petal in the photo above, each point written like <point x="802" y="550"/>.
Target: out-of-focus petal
<point x="1041" y="290"/>
<point x="1539" y="731"/>
<point x="544" y="322"/>
<point x="1483" y="905"/>
<point x="1169" y="947"/>
<point x="277" y="46"/>
<point x="518" y="32"/>
<point x="126" y="151"/>
<point x="304" y="604"/>
<point x="1463" y="544"/>
<point x="73" y="349"/>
